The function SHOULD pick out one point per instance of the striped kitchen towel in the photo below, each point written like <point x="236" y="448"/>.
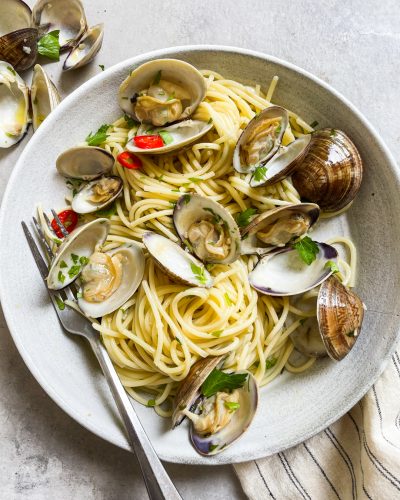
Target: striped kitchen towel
<point x="358" y="457"/>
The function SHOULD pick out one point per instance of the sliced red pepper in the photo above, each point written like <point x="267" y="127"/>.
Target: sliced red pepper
<point x="68" y="218"/>
<point x="129" y="160"/>
<point x="148" y="141"/>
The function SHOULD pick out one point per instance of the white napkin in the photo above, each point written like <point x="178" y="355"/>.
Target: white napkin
<point x="357" y="457"/>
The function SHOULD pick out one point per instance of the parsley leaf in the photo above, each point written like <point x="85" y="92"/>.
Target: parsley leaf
<point x="186" y="198"/>
<point x="151" y="402"/>
<point x="199" y="273"/>
<point x="228" y="299"/>
<point x="157" y="78"/>
<point x="314" y="124"/>
<point x="217" y="333"/>
<point x="129" y="121"/>
<point x="101" y="66"/>
<point x="74" y="258"/>
<point x="196" y="180"/>
<point x="11" y="70"/>
<point x="61" y="277"/>
<point x="166" y="137"/>
<point x="231" y="406"/>
<point x="242" y="219"/>
<point x="270" y="362"/>
<point x="83" y="260"/>
<point x="63" y="264"/>
<point x="307" y="249"/>
<point x="49" y="45"/>
<point x="332" y="265"/>
<point x="60" y="303"/>
<point x="107" y="211"/>
<point x="219" y="381"/>
<point x="259" y="173"/>
<point x="73" y="271"/>
<point x="99" y="137"/>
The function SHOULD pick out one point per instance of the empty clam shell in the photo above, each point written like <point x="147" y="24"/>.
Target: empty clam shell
<point x="84" y="162"/>
<point x="14" y="15"/>
<point x="44" y="96"/>
<point x="86" y="48"/>
<point x="260" y="139"/>
<point x="283" y="273"/>
<point x="277" y="227"/>
<point x="14" y="106"/>
<point x="340" y="314"/>
<point x="282" y="164"/>
<point x="19" y="48"/>
<point x="331" y="172"/>
<point x="68" y="16"/>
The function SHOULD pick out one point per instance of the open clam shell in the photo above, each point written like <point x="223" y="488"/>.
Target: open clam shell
<point x="14" y="106"/>
<point x="97" y="194"/>
<point x="175" y="136"/>
<point x="14" y="15"/>
<point x="162" y="91"/>
<point x="331" y="172"/>
<point x="19" y="48"/>
<point x="73" y="252"/>
<point x="282" y="164"/>
<point x="84" y="162"/>
<point x="180" y="266"/>
<point x="44" y="96"/>
<point x="220" y="243"/>
<point x="277" y="227"/>
<point x="283" y="273"/>
<point x="85" y="49"/>
<point x="340" y="314"/>
<point x="260" y="139"/>
<point x="68" y="16"/>
<point x="133" y="263"/>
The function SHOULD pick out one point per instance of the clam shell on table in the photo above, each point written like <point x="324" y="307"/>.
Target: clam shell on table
<point x="85" y="49"/>
<point x="331" y="172"/>
<point x="14" y="15"/>
<point x="19" y="48"/>
<point x="44" y="96"/>
<point x="84" y="162"/>
<point x="283" y="273"/>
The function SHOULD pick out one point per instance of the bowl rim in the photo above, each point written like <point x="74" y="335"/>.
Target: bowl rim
<point x="7" y="310"/>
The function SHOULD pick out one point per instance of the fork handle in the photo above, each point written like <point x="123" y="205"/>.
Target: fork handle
<point x="158" y="483"/>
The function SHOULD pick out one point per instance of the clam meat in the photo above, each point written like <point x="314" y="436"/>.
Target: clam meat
<point x="97" y="194"/>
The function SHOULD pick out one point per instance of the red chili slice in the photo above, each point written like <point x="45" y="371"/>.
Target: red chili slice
<point x="148" y="141"/>
<point x="68" y="218"/>
<point x="129" y="160"/>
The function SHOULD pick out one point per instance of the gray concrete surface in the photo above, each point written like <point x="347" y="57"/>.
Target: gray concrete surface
<point x="353" y="45"/>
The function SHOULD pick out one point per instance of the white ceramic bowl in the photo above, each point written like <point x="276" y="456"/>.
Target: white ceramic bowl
<point x="293" y="408"/>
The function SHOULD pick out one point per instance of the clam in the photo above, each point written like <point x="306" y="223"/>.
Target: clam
<point x="14" y="106"/>
<point x="74" y="252"/>
<point x="97" y="194"/>
<point x="162" y="91"/>
<point x="68" y="16"/>
<point x="260" y="139"/>
<point x="283" y="273"/>
<point x="282" y="164"/>
<point x="85" y="49"/>
<point x="44" y="96"/>
<point x="331" y="172"/>
<point x="174" y="136"/>
<point x="84" y="162"/>
<point x="307" y="339"/>
<point x="207" y="229"/>
<point x="180" y="266"/>
<point x="109" y="279"/>
<point x="14" y="15"/>
<point x="19" y="48"/>
<point x="219" y="419"/>
<point x="278" y="227"/>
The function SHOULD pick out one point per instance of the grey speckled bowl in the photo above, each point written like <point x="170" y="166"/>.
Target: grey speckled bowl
<point x="293" y="408"/>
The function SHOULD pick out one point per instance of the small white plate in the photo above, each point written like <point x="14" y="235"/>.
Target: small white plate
<point x="293" y="408"/>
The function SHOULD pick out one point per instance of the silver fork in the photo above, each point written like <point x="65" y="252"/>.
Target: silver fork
<point x="158" y="483"/>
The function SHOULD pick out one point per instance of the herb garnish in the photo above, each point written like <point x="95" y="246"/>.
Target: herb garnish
<point x="217" y="333"/>
<point x="228" y="299"/>
<point x="99" y="137"/>
<point x="196" y="180"/>
<point x="172" y="96"/>
<point x="11" y="70"/>
<point x="259" y="173"/>
<point x="61" y="277"/>
<point x="83" y="260"/>
<point x="217" y="218"/>
<point x="231" y="406"/>
<point x="49" y="45"/>
<point x="74" y="258"/>
<point x="107" y="211"/>
<point x="60" y="303"/>
<point x="242" y="219"/>
<point x="129" y="121"/>
<point x="157" y="78"/>
<point x="166" y="137"/>
<point x="307" y="249"/>
<point x="63" y="264"/>
<point x="270" y="362"/>
<point x="199" y="273"/>
<point x="212" y="447"/>
<point x="151" y="402"/>
<point x="314" y="124"/>
<point x="74" y="270"/>
<point x="332" y="265"/>
<point x="101" y="66"/>
<point x="186" y="198"/>
<point x="219" y="381"/>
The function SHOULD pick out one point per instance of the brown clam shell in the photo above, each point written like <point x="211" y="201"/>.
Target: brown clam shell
<point x="189" y="388"/>
<point x="340" y="314"/>
<point x="19" y="48"/>
<point x="331" y="172"/>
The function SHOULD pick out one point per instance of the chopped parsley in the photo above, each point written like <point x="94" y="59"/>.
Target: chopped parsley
<point x="302" y="321"/>
<point x="196" y="180"/>
<point x="83" y="260"/>
<point x="231" y="406"/>
<point x="198" y="271"/>
<point x="157" y="78"/>
<point x="259" y="173"/>
<point x="57" y="241"/>
<point x="101" y="66"/>
<point x="173" y="204"/>
<point x="74" y="258"/>
<point x="172" y="96"/>
<point x="217" y="218"/>
<point x="61" y="277"/>
<point x="243" y="218"/>
<point x="228" y="299"/>
<point x="166" y="137"/>
<point x="219" y="381"/>
<point x="314" y="124"/>
<point x="351" y="334"/>
<point x="107" y="211"/>
<point x="210" y="121"/>
<point x="178" y="340"/>
<point x="212" y="447"/>
<point x="12" y="70"/>
<point x="333" y="132"/>
<point x="186" y="198"/>
<point x="217" y="333"/>
<point x="99" y="137"/>
<point x="49" y="45"/>
<point x="278" y="129"/>
<point x="60" y="303"/>
<point x="74" y="271"/>
<point x="79" y="295"/>
<point x="330" y="264"/>
<point x="63" y="264"/>
<point x="151" y="402"/>
<point x="270" y="362"/>
<point x="307" y="249"/>
<point x="129" y="121"/>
